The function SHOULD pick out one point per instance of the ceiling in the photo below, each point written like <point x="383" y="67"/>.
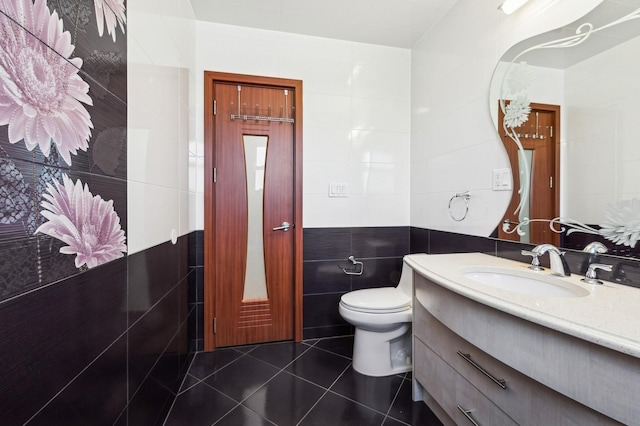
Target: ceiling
<point x="397" y="23"/>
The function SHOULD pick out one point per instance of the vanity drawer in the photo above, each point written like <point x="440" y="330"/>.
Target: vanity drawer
<point x="453" y="393"/>
<point x="521" y="397"/>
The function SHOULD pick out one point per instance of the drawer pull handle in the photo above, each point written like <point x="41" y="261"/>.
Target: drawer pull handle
<point x="467" y="414"/>
<point x="498" y="382"/>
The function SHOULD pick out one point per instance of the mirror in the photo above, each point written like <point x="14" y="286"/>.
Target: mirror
<point x="566" y="104"/>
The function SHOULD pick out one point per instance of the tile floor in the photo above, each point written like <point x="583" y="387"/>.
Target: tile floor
<point x="287" y="383"/>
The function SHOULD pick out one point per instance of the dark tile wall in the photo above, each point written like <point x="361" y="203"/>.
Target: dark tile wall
<point x="109" y="344"/>
<point x="196" y="291"/>
<point x="158" y="333"/>
<point x="325" y="254"/>
<point x="52" y="340"/>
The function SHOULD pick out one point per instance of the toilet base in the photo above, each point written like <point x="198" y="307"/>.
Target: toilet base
<point x="382" y="354"/>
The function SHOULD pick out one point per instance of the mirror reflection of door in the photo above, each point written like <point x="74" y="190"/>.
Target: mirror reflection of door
<point x="540" y="139"/>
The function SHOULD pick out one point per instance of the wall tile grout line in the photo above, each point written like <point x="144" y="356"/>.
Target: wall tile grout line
<point x="75" y="378"/>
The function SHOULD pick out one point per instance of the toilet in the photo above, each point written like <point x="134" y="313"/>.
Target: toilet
<point x="382" y="318"/>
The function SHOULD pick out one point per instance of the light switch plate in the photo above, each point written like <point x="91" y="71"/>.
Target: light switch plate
<point x="338" y="189"/>
<point x="501" y="180"/>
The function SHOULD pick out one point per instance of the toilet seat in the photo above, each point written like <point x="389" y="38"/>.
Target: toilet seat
<point x="383" y="300"/>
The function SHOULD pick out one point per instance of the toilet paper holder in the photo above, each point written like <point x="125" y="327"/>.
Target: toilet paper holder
<point x="355" y="270"/>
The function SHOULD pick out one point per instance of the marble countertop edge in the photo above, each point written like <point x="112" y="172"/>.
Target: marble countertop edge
<point x="606" y="316"/>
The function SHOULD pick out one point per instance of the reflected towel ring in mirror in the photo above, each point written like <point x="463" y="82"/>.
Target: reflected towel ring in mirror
<point x="465" y="196"/>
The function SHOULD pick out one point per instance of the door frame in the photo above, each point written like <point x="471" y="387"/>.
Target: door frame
<point x="210" y="78"/>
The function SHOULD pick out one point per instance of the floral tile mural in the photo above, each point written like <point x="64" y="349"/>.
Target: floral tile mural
<point x="62" y="139"/>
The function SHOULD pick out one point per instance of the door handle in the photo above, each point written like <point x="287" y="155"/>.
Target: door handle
<point x="284" y="227"/>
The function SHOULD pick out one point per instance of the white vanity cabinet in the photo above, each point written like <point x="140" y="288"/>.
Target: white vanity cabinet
<point x="504" y="370"/>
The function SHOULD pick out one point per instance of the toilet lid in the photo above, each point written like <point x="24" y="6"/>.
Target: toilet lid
<point x="377" y="300"/>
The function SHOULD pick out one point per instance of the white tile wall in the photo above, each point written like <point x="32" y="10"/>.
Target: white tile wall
<point x="161" y="49"/>
<point x="405" y="129"/>
<point x="356" y="106"/>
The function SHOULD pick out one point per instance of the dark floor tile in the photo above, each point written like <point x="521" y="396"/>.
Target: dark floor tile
<point x="374" y="392"/>
<point x="334" y="410"/>
<point x="338" y="345"/>
<point x="279" y="354"/>
<point x="189" y="381"/>
<point x="242" y="416"/>
<point x="246" y="348"/>
<point x="414" y="413"/>
<point x="242" y="377"/>
<point x="285" y="399"/>
<point x="390" y="421"/>
<point x="319" y="367"/>
<point x="207" y="363"/>
<point x="200" y="405"/>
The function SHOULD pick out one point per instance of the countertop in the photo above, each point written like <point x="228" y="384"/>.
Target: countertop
<point x="608" y="316"/>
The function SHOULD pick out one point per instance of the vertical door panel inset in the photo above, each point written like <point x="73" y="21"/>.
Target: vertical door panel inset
<point x="526" y="210"/>
<point x="255" y="153"/>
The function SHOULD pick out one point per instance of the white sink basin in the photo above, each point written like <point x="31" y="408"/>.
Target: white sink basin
<point x="526" y="282"/>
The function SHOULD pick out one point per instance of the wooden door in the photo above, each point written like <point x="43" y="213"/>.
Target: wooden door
<point x="539" y="136"/>
<point x="253" y="252"/>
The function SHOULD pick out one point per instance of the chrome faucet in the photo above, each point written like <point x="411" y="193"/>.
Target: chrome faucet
<point x="559" y="265"/>
<point x="591" y="277"/>
<point x="535" y="262"/>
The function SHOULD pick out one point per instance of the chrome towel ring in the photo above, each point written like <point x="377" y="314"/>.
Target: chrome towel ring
<point x="465" y="196"/>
